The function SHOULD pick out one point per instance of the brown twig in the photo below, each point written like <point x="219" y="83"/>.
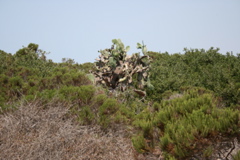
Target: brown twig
<point x="230" y="150"/>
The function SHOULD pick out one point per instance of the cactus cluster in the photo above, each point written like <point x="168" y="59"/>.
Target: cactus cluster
<point x="115" y="69"/>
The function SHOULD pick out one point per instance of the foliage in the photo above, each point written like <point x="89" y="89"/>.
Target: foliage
<point x="195" y="100"/>
<point x="29" y="73"/>
<point x="187" y="120"/>
<point x="200" y="68"/>
<point x="106" y="110"/>
<point x="139" y="143"/>
<point x="115" y="69"/>
<point x="86" y="116"/>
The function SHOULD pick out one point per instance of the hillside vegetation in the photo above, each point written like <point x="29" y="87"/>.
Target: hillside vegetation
<point x="55" y="111"/>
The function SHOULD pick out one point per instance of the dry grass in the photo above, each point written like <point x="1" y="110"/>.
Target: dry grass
<point x="33" y="132"/>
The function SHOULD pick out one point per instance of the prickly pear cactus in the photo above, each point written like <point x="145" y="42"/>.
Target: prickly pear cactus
<point x="115" y="69"/>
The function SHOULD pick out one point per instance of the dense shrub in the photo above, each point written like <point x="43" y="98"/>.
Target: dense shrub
<point x="107" y="111"/>
<point x="199" y="68"/>
<point x="187" y="120"/>
<point x="85" y="115"/>
<point x="195" y="100"/>
<point x="139" y="143"/>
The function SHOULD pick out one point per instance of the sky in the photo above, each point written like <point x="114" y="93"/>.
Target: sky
<point x="78" y="29"/>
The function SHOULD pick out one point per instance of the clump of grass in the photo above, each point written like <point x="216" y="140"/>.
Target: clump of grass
<point x="139" y="143"/>
<point x="107" y="111"/>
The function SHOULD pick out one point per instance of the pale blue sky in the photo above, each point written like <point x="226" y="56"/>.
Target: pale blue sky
<point x="77" y="29"/>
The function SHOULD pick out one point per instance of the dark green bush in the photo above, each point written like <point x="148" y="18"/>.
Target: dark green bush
<point x="47" y="95"/>
<point x="196" y="97"/>
<point x="140" y="144"/>
<point x="144" y="122"/>
<point x="109" y="107"/>
<point x="200" y="68"/>
<point x="86" y="116"/>
<point x="99" y="99"/>
<point x="86" y="93"/>
<point x="107" y="111"/>
<point x="186" y="119"/>
<point x="73" y="94"/>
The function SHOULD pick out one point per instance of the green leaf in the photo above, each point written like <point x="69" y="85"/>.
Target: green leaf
<point x="115" y="54"/>
<point x="105" y="53"/>
<point x="139" y="46"/>
<point x="119" y="41"/>
<point x="114" y="41"/>
<point x="127" y="48"/>
<point x="144" y="50"/>
<point x="112" y="62"/>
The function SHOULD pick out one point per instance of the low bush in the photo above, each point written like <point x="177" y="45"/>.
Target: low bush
<point x="195" y="99"/>
<point x="85" y="115"/>
<point x="107" y="111"/>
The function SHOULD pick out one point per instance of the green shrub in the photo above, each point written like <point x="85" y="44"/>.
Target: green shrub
<point x="80" y="95"/>
<point x="144" y="122"/>
<point x="107" y="111"/>
<point x="30" y="98"/>
<point x="86" y="67"/>
<point x="75" y="78"/>
<point x="121" y="118"/>
<point x="110" y="106"/>
<point x="140" y="144"/>
<point x="126" y="111"/>
<point x="194" y="115"/>
<point x="99" y="99"/>
<point x="85" y="115"/>
<point x="86" y="93"/>
<point x="197" y="68"/>
<point x="196" y="97"/>
<point x="2" y="103"/>
<point x="136" y="106"/>
<point x="208" y="152"/>
<point x="4" y="80"/>
<point x="47" y="95"/>
<point x="166" y="142"/>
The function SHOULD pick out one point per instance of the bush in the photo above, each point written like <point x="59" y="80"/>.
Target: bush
<point x="140" y="144"/>
<point x="186" y="120"/>
<point x="199" y="68"/>
<point x="99" y="99"/>
<point x="86" y="93"/>
<point x="77" y="95"/>
<point x="85" y="115"/>
<point x="107" y="111"/>
<point x="144" y="122"/>
<point x="47" y="95"/>
<point x="195" y="99"/>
